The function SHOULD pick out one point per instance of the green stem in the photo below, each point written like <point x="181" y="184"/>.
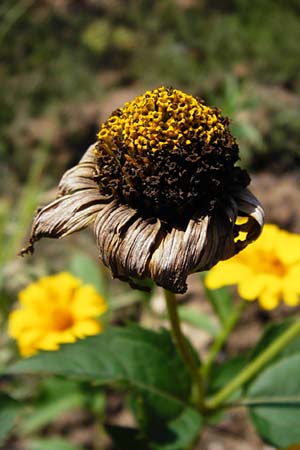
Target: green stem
<point x="221" y="339"/>
<point x="254" y="367"/>
<point x="182" y="345"/>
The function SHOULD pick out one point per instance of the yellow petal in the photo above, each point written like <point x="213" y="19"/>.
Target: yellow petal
<point x="240" y="220"/>
<point x="242" y="236"/>
<point x="28" y="341"/>
<point x="88" y="303"/>
<point x="26" y="351"/>
<point x="268" y="238"/>
<point x="226" y="273"/>
<point x="290" y="297"/>
<point x="59" y="288"/>
<point x="87" y="327"/>
<point x="52" y="340"/>
<point x="292" y="278"/>
<point x="269" y="299"/>
<point x="32" y="296"/>
<point x="21" y="320"/>
<point x="288" y="247"/>
<point x="251" y="287"/>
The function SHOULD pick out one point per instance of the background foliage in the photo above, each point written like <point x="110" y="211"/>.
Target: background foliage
<point x="65" y="65"/>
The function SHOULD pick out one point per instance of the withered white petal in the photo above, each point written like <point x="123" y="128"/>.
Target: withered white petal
<point x="80" y="176"/>
<point x="177" y="254"/>
<point x="66" y="215"/>
<point x="125" y="240"/>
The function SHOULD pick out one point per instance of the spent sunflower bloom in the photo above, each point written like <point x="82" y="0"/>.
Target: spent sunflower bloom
<point x="267" y="270"/>
<point x="162" y="189"/>
<point x="55" y="309"/>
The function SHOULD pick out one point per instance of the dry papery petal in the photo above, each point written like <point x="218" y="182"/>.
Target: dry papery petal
<point x="125" y="240"/>
<point x="249" y="206"/>
<point x="136" y="248"/>
<point x="80" y="176"/>
<point x="66" y="215"/>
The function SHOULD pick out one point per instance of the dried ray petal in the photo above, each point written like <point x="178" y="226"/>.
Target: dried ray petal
<point x="219" y="242"/>
<point x="231" y="209"/>
<point x="80" y="176"/>
<point x="137" y="246"/>
<point x="249" y="205"/>
<point x="177" y="255"/>
<point x="66" y="215"/>
<point x="133" y="247"/>
<point x="109" y="227"/>
<point x="125" y="240"/>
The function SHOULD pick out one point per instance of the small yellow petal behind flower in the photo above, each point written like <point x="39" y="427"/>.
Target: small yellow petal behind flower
<point x="54" y="310"/>
<point x="267" y="270"/>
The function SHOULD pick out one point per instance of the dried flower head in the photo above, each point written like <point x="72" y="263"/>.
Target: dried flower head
<point x="163" y="191"/>
<point x="268" y="270"/>
<point x="55" y="309"/>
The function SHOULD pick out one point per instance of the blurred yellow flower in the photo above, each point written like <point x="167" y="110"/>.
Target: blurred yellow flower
<point x="267" y="270"/>
<point x="56" y="309"/>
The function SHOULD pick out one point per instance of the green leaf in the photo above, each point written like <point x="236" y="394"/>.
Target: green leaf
<point x="133" y="357"/>
<point x="198" y="320"/>
<point x="274" y="402"/>
<point x="8" y="413"/>
<point x="57" y="396"/>
<point x="88" y="271"/>
<point x="51" y="444"/>
<point x="178" y="434"/>
<point x="221" y="301"/>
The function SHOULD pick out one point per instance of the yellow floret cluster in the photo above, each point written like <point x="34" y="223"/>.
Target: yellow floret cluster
<point x="159" y="119"/>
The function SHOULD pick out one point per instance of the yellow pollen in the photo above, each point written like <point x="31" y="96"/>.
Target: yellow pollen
<point x="160" y="119"/>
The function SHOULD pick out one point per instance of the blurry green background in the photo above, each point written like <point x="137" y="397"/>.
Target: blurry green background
<point x="64" y="61"/>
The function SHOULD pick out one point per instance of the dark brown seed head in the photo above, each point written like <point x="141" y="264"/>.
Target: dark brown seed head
<point x="168" y="155"/>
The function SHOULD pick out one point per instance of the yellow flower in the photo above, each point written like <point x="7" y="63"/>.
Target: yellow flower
<point x="56" y="309"/>
<point x="163" y="191"/>
<point x="267" y="270"/>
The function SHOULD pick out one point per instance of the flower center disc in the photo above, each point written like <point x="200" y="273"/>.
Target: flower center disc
<point x="271" y="264"/>
<point x="62" y="320"/>
<point x="168" y="155"/>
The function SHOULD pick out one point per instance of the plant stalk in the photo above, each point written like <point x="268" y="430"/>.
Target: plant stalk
<point x="254" y="367"/>
<point x="183" y="346"/>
